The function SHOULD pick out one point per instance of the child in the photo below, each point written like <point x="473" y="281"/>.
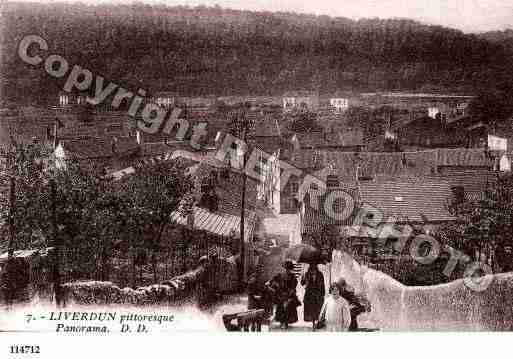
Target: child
<point x="335" y="313"/>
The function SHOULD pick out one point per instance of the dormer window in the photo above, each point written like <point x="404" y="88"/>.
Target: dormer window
<point x="332" y="181"/>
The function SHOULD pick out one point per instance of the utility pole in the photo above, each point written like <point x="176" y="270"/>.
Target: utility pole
<point x="242" y="274"/>
<point x="12" y="212"/>
<point x="10" y="251"/>
<point x="56" y="247"/>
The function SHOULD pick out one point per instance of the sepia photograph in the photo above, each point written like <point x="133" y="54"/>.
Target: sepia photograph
<point x="224" y="166"/>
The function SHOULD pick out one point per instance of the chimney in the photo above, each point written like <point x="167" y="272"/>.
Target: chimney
<point x="55" y="141"/>
<point x="114" y="144"/>
<point x="459" y="194"/>
<point x="48" y="133"/>
<point x="190" y="220"/>
<point x="218" y="140"/>
<point x="277" y="127"/>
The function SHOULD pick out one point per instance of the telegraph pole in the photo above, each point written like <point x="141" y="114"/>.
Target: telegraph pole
<point x="242" y="273"/>
<point x="12" y="212"/>
<point x="10" y="266"/>
<point x="56" y="276"/>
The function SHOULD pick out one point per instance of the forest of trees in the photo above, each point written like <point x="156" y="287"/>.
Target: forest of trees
<point x="202" y="50"/>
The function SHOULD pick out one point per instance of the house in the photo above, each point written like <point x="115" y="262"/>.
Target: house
<point x="469" y="171"/>
<point x="300" y="100"/>
<point x="427" y="132"/>
<point x="67" y="99"/>
<point x="339" y="104"/>
<point x="116" y="154"/>
<point x="217" y="194"/>
<point x="349" y="140"/>
<point x="417" y="203"/>
<point x="218" y="199"/>
<point x="27" y="254"/>
<point x="103" y="125"/>
<point x="414" y="202"/>
<point x="438" y="111"/>
<point x="164" y="99"/>
<point x="474" y="170"/>
<point x="221" y="224"/>
<point x="461" y="109"/>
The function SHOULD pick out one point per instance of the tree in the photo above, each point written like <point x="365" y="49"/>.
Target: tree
<point x="65" y="199"/>
<point x="484" y="226"/>
<point x="492" y="105"/>
<point x="157" y="191"/>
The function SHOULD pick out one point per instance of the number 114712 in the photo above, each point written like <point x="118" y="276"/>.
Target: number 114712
<point x="24" y="349"/>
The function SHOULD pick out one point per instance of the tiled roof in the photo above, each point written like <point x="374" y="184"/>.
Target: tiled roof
<point x="229" y="190"/>
<point x="324" y="140"/>
<point x="24" y="130"/>
<point x="268" y="127"/>
<point x="429" y="132"/>
<point x="406" y="201"/>
<point x="385" y="164"/>
<point x="315" y="219"/>
<point x="270" y="145"/>
<point x="473" y="181"/>
<point x="227" y="218"/>
<point x="156" y="149"/>
<point x="26" y="253"/>
<point x="412" y="201"/>
<point x="300" y="93"/>
<point x="464" y="157"/>
<point x="222" y="224"/>
<point x="91" y="148"/>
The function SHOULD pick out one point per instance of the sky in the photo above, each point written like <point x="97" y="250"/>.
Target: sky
<point x="465" y="15"/>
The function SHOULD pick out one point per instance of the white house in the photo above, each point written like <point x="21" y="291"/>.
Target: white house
<point x="289" y="103"/>
<point x="339" y="104"/>
<point x="433" y="111"/>
<point x="496" y="143"/>
<point x="300" y="99"/>
<point x="461" y="108"/>
<point x="268" y="187"/>
<point x="504" y="164"/>
<point x="60" y="157"/>
<point x="165" y="99"/>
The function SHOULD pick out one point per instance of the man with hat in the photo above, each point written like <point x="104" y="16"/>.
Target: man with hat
<point x="284" y="287"/>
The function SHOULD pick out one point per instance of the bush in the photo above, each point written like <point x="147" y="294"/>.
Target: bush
<point x="14" y="280"/>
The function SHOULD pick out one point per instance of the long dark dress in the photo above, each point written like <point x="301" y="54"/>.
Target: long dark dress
<point x="284" y="285"/>
<point x="313" y="280"/>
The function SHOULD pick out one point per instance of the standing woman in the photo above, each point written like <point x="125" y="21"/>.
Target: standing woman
<point x="284" y="286"/>
<point x="313" y="281"/>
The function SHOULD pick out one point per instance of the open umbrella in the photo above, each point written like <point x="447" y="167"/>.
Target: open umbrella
<point x="305" y="253"/>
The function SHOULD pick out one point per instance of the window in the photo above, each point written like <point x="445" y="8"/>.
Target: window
<point x="63" y="100"/>
<point x="332" y="181"/>
<point x="294" y="187"/>
<point x="459" y="194"/>
<point x="115" y="127"/>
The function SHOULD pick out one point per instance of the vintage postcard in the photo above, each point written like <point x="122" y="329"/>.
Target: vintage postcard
<point x="230" y="166"/>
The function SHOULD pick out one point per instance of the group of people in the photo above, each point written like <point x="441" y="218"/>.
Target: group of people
<point x="336" y="312"/>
